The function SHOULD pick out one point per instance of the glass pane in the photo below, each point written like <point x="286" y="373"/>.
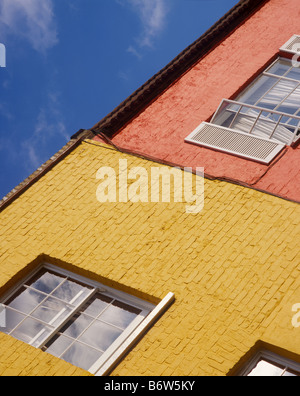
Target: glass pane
<point x="25" y="300"/>
<point x="28" y="330"/>
<point x="45" y="281"/>
<point x="12" y="319"/>
<point x="120" y="314"/>
<point x="293" y="122"/>
<point x="280" y="67"/>
<point x="291" y="104"/>
<point x="50" y="309"/>
<point x="283" y="134"/>
<point x="264" y="128"/>
<point x="277" y="94"/>
<point x="81" y="356"/>
<point x="71" y="291"/>
<point x="266" y="369"/>
<point x="96" y="305"/>
<point x="42" y="337"/>
<point x="244" y="123"/>
<point x="224" y="118"/>
<point x="294" y="73"/>
<point x="291" y="373"/>
<point x="76" y="325"/>
<point x="58" y="345"/>
<point x="100" y="335"/>
<point x="257" y="90"/>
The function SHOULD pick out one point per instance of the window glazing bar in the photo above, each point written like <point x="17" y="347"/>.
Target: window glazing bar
<point x="293" y="138"/>
<point x="256" y="121"/>
<point x="263" y="109"/>
<point x="72" y="313"/>
<point x="287" y="96"/>
<point x="280" y="77"/>
<point x="276" y="126"/>
<point x="268" y="91"/>
<point x="235" y="117"/>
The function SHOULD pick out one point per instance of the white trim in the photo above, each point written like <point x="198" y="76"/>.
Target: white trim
<point x="135" y="335"/>
<point x="149" y="313"/>
<point x="114" y="293"/>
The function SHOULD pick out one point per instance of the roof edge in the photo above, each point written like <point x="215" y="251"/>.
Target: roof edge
<point x="42" y="170"/>
<point x="81" y="137"/>
<point x="143" y="96"/>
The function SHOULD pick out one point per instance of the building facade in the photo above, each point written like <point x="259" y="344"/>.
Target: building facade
<point x="105" y="271"/>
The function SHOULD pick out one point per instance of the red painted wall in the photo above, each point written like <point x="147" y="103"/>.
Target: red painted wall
<point x="159" y="131"/>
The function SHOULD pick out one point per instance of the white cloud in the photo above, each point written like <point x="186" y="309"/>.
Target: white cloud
<point x="49" y="127"/>
<point x="30" y="19"/>
<point x="152" y="15"/>
<point x="132" y="50"/>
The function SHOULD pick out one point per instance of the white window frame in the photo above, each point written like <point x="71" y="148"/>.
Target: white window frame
<point x="272" y="357"/>
<point x="129" y="336"/>
<point x="293" y="138"/>
<point x="219" y="136"/>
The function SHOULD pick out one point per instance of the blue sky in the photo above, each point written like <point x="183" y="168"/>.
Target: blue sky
<point x="70" y="62"/>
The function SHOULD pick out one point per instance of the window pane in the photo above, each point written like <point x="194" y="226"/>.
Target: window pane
<point x="76" y="325"/>
<point x="29" y="329"/>
<point x="266" y="369"/>
<point x="45" y="281"/>
<point x="96" y="305"/>
<point x="244" y="123"/>
<point x="277" y="94"/>
<point x="12" y="319"/>
<point x="71" y="291"/>
<point x="50" y="309"/>
<point x="294" y="73"/>
<point x="44" y="333"/>
<point x="291" y="104"/>
<point x="280" y="67"/>
<point x="26" y="300"/>
<point x="100" y="335"/>
<point x="224" y="118"/>
<point x="259" y="88"/>
<point x="120" y="314"/>
<point x="291" y="373"/>
<point x="58" y="345"/>
<point x="81" y="356"/>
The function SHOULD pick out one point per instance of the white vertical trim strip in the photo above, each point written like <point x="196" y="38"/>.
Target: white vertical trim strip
<point x="135" y="335"/>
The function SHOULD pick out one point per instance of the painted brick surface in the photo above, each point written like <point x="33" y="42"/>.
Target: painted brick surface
<point x="159" y="131"/>
<point x="234" y="267"/>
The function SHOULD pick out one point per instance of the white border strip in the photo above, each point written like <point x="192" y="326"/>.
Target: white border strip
<point x="135" y="335"/>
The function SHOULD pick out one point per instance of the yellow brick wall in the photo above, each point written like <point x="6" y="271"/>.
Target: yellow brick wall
<point x="234" y="267"/>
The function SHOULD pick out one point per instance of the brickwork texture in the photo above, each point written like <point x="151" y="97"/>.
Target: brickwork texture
<point x="234" y="267"/>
